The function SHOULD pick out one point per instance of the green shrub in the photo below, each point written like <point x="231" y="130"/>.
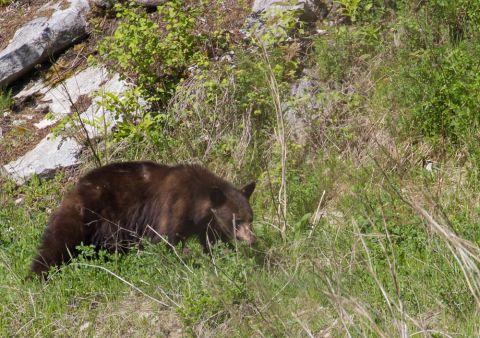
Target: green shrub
<point x="442" y="89"/>
<point x="344" y="48"/>
<point x="155" y="55"/>
<point x="452" y="21"/>
<point x="6" y="100"/>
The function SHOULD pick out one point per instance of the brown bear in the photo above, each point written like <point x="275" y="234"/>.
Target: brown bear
<point x="113" y="206"/>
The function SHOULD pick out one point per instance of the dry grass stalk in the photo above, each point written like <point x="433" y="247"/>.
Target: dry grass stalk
<point x="345" y="306"/>
<point x="281" y="137"/>
<point x="172" y="247"/>
<point x="129" y="284"/>
<point x="396" y="307"/>
<point x="242" y="146"/>
<point x="316" y="216"/>
<point x="372" y="272"/>
<point x="466" y="253"/>
<point x="303" y="325"/>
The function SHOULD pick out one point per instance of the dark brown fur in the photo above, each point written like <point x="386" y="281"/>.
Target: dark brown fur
<point x="113" y="206"/>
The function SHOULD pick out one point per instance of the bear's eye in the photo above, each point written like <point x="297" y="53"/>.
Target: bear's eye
<point x="238" y="222"/>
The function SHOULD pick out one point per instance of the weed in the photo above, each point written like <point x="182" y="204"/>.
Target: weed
<point x="349" y="8"/>
<point x="6" y="100"/>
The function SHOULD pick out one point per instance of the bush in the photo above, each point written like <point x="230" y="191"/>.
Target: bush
<point x="336" y="55"/>
<point x="155" y="55"/>
<point x="442" y="89"/>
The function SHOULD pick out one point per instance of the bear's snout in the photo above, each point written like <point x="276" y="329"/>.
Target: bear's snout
<point x="244" y="233"/>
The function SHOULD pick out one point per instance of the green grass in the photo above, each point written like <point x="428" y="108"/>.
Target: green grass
<point x="369" y="240"/>
<point x="375" y="244"/>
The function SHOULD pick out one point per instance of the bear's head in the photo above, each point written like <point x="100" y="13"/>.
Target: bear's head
<point x="232" y="214"/>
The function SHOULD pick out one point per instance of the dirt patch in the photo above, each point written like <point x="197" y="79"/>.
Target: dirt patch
<point x="15" y="15"/>
<point x="135" y="316"/>
<point x="226" y="15"/>
<point x="82" y="104"/>
<point x="19" y="135"/>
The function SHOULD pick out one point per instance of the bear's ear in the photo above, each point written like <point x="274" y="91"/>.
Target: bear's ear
<point x="217" y="197"/>
<point x="248" y="189"/>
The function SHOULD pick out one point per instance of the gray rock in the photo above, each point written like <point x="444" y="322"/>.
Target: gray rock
<point x="314" y="10"/>
<point x="61" y="98"/>
<point x="17" y="123"/>
<point x="269" y="15"/>
<point x="58" y="100"/>
<point x="30" y="90"/>
<point x="51" y="153"/>
<point x="263" y="5"/>
<point x="302" y="105"/>
<point x="55" y="152"/>
<point x="97" y="119"/>
<point x="309" y="10"/>
<point x="41" y="38"/>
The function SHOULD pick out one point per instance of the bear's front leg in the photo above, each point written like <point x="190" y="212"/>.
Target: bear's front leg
<point x="64" y="232"/>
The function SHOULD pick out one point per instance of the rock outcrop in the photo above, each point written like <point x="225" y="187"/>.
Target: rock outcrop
<point x="55" y="152"/>
<point x="308" y="10"/>
<point x="61" y="100"/>
<point x="273" y="15"/>
<point x="50" y="154"/>
<point x="42" y="38"/>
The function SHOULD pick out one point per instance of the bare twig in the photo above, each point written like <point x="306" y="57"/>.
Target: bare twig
<point x="89" y="140"/>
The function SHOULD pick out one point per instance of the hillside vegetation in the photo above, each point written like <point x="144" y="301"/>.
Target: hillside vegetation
<point x="367" y="206"/>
